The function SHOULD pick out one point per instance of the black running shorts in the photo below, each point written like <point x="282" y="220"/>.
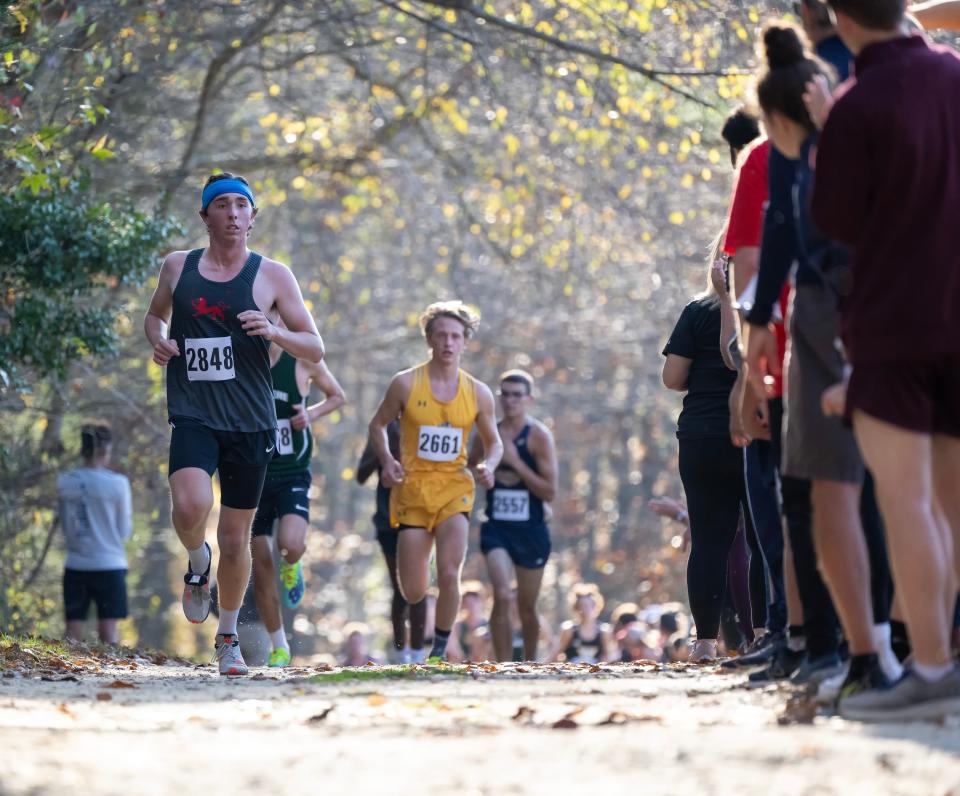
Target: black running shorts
<point x="106" y="588"/>
<point x="282" y="495"/>
<point x="239" y="457"/>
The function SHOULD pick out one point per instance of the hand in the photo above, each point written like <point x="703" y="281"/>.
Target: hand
<point x="818" y="99"/>
<point x="484" y="475"/>
<point x="510" y="454"/>
<point x="763" y="360"/>
<point x="392" y="474"/>
<point x="164" y="351"/>
<point x="666" y="507"/>
<point x="256" y="324"/>
<point x="738" y="435"/>
<point x="718" y="278"/>
<point x="833" y="402"/>
<point x="755" y="416"/>
<point x="300" y="418"/>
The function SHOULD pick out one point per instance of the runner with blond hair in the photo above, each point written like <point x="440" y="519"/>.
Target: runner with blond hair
<point x="432" y="486"/>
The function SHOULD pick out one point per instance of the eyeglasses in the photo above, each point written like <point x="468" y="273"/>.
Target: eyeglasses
<point x="512" y="394"/>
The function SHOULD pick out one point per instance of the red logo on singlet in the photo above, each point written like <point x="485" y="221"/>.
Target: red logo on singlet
<point x="202" y="308"/>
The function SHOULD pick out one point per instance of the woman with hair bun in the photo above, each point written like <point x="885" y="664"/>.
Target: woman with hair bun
<point x="816" y="447"/>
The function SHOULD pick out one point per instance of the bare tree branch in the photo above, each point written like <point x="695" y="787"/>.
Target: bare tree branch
<point x="431" y="23"/>
<point x="211" y="88"/>
<point x="656" y="75"/>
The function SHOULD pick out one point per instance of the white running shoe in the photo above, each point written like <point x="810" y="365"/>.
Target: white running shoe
<point x="228" y="655"/>
<point x="418" y="656"/>
<point x="703" y="651"/>
<point x="196" y="592"/>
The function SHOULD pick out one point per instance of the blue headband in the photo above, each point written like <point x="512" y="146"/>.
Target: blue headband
<point x="220" y="187"/>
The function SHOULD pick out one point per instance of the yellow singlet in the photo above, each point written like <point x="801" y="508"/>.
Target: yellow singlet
<point x="433" y="451"/>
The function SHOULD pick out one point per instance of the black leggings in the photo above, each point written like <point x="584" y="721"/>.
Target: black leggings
<point x="881" y="582"/>
<point x="712" y="473"/>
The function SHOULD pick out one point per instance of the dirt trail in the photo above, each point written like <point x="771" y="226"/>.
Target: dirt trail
<point x="142" y="728"/>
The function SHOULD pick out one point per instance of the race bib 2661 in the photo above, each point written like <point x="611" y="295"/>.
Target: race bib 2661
<point x="439" y="443"/>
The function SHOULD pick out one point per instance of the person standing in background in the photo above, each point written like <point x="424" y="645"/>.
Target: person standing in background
<point x="96" y="517"/>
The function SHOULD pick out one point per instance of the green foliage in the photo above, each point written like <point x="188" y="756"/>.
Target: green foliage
<point x="63" y="258"/>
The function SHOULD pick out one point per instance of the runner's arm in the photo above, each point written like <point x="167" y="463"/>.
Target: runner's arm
<point x="487" y="430"/>
<point x="368" y="464"/>
<point x="476" y="452"/>
<point x="300" y="339"/>
<point x="325" y="381"/>
<point x="543" y="484"/>
<point x="160" y="310"/>
<point x="389" y="410"/>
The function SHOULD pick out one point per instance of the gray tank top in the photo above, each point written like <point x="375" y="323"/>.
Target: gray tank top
<point x="222" y="376"/>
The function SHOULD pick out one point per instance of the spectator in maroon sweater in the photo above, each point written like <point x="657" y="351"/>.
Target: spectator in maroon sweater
<point x="888" y="186"/>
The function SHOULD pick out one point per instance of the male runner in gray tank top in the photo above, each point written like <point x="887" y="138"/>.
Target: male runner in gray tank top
<point x="218" y="303"/>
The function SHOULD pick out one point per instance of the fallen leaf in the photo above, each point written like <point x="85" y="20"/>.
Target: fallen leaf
<point x="798" y="710"/>
<point x="103" y="696"/>
<point x="616" y="718"/>
<point x="265" y="716"/>
<point x="887" y="761"/>
<point x="320" y="716"/>
<point x="375" y="700"/>
<point x="121" y="684"/>
<point x="565" y="724"/>
<point x="524" y="714"/>
<point x="522" y="670"/>
<point x="64" y="709"/>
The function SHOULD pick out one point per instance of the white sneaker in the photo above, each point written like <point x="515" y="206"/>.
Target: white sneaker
<point x="196" y="592"/>
<point x="703" y="651"/>
<point x="228" y="655"/>
<point x="418" y="656"/>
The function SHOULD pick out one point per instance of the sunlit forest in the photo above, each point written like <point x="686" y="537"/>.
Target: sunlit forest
<point x="556" y="163"/>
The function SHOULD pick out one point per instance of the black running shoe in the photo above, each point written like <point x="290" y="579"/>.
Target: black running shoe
<point x="865" y="675"/>
<point x="760" y="653"/>
<point x="784" y="664"/>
